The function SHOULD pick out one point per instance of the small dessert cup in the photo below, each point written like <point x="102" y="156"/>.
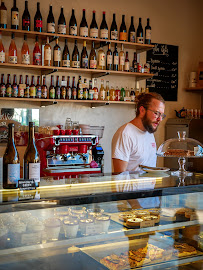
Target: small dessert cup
<point x="70" y="228"/>
<point x="52" y="229"/>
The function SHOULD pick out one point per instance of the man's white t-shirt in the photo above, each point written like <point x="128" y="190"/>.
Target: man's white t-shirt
<point x="135" y="146"/>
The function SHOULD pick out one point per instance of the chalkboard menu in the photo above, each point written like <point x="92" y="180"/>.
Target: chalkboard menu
<point x="163" y="60"/>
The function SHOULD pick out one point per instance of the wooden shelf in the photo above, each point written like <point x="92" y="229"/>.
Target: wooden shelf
<point x="194" y="89"/>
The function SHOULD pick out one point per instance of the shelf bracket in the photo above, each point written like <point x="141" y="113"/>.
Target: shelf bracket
<point x="48" y="72"/>
<point x="48" y="103"/>
<point x="98" y="75"/>
<point x="94" y="105"/>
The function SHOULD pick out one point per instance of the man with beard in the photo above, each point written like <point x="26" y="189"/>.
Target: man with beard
<point x="134" y="144"/>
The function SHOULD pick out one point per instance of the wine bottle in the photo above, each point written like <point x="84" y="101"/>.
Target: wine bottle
<point x="93" y="57"/>
<point x="57" y="55"/>
<point x="21" y="87"/>
<point x="27" y="87"/>
<point x="118" y="94"/>
<point x="58" y="88"/>
<point x="115" y="58"/>
<point x="68" y="89"/>
<point x="114" y="29"/>
<point x="74" y="89"/>
<point x="123" y="30"/>
<point x="101" y="58"/>
<point x="2" y="51"/>
<point x="109" y="58"/>
<point x="83" y="26"/>
<point x="80" y="88"/>
<point x="127" y="63"/>
<point x="38" y="88"/>
<point x="12" y="54"/>
<point x="47" y="53"/>
<point x="122" y="94"/>
<point x="14" y="16"/>
<point x="112" y="94"/>
<point x="38" y="19"/>
<point x="84" y="56"/>
<point x="91" y="91"/>
<point x="26" y="23"/>
<point x="33" y="92"/>
<point x="66" y="56"/>
<point x="31" y="161"/>
<point x="73" y="24"/>
<point x="63" y="88"/>
<point x="14" y="87"/>
<point x="44" y="88"/>
<point x="11" y="161"/>
<point x="37" y="56"/>
<point x="104" y="34"/>
<point x="134" y="63"/>
<point x="25" y="53"/>
<point x="2" y="87"/>
<point x="107" y="91"/>
<point x="102" y="94"/>
<point x="50" y="21"/>
<point x="96" y="91"/>
<point x="3" y="15"/>
<point x="52" y="92"/>
<point x="131" y="34"/>
<point x="93" y="26"/>
<point x="62" y="23"/>
<point x="121" y="59"/>
<point x="8" y="86"/>
<point x="140" y="36"/>
<point x="148" y="33"/>
<point x="75" y="57"/>
<point x="85" y="90"/>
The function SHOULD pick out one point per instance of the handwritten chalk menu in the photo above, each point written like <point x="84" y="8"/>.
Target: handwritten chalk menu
<point x="163" y="60"/>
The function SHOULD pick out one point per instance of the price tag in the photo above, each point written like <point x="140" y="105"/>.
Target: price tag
<point x="94" y="229"/>
<point x="147" y="223"/>
<point x="26" y="184"/>
<point x="26" y="196"/>
<point x="63" y="83"/>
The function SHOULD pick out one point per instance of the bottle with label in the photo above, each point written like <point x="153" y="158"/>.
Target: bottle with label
<point x="14" y="16"/>
<point x="3" y="15"/>
<point x="8" y="86"/>
<point x="114" y="29"/>
<point x="102" y="93"/>
<point x="91" y="91"/>
<point x="74" y="89"/>
<point x="75" y="56"/>
<point x="66" y="56"/>
<point x="68" y="89"/>
<point x="121" y="59"/>
<point x="101" y="58"/>
<point x="80" y="88"/>
<point x="123" y="30"/>
<point x="62" y="23"/>
<point x="38" y="88"/>
<point x="33" y="92"/>
<point x="2" y="51"/>
<point x="140" y="34"/>
<point x="122" y="97"/>
<point x="94" y="33"/>
<point x="132" y="95"/>
<point x="27" y="87"/>
<point x="112" y="94"/>
<point x="58" y="88"/>
<point x="11" y="161"/>
<point x="52" y="92"/>
<point x="148" y="33"/>
<point x="26" y="24"/>
<point x="25" y="53"/>
<point x="14" y="87"/>
<point x="93" y="57"/>
<point x="118" y="94"/>
<point x="115" y="58"/>
<point x="96" y="91"/>
<point x="109" y="58"/>
<point x="83" y="26"/>
<point x="134" y="63"/>
<point x="2" y="87"/>
<point x="84" y="56"/>
<point x="127" y="63"/>
<point x="12" y="53"/>
<point x="85" y="90"/>
<point x="127" y="95"/>
<point x="47" y="53"/>
<point x="44" y="88"/>
<point x="21" y="87"/>
<point x="73" y="24"/>
<point x="38" y="19"/>
<point x="37" y="56"/>
<point x="57" y="55"/>
<point x="63" y="88"/>
<point x="107" y="91"/>
<point x="104" y="34"/>
<point x="31" y="161"/>
<point x="131" y="34"/>
<point x="50" y="21"/>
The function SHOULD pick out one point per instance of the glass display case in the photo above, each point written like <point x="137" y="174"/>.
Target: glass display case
<point x="121" y="221"/>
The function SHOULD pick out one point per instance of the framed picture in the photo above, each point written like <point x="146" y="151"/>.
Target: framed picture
<point x="200" y="75"/>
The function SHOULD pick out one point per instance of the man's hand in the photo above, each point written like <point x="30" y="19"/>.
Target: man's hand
<point x="119" y="165"/>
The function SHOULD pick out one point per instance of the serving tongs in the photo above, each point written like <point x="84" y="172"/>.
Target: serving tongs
<point x="152" y="168"/>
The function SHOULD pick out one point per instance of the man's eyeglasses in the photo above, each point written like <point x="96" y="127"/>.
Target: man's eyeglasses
<point x="157" y="114"/>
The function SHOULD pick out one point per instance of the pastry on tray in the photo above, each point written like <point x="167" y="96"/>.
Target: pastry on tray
<point x="124" y="217"/>
<point x="183" y="249"/>
<point x="134" y="222"/>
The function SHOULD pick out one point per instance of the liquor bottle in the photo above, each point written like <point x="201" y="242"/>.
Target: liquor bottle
<point x="123" y="30"/>
<point x="50" y="21"/>
<point x="93" y="26"/>
<point x="58" y="88"/>
<point x="57" y="55"/>
<point x="11" y="161"/>
<point x="63" y="88"/>
<point x="38" y="19"/>
<point x="127" y="95"/>
<point x="27" y="87"/>
<point x="83" y="26"/>
<point x="66" y="56"/>
<point x="52" y="92"/>
<point x="37" y="56"/>
<point x="14" y="16"/>
<point x="109" y="58"/>
<point x="102" y="94"/>
<point x="74" y="89"/>
<point x="127" y="63"/>
<point x="2" y="87"/>
<point x="148" y="33"/>
<point x="26" y="23"/>
<point x="118" y="94"/>
<point x="33" y="92"/>
<point x="85" y="90"/>
<point x="107" y="91"/>
<point x="62" y="23"/>
<point x="80" y="88"/>
<point x="2" y="50"/>
<point x="131" y="34"/>
<point x="132" y="95"/>
<point x="121" y="59"/>
<point x="47" y="53"/>
<point x="122" y="94"/>
<point x="96" y="91"/>
<point x="140" y="34"/>
<point x="68" y="89"/>
<point x="21" y="87"/>
<point x="31" y="161"/>
<point x="3" y="15"/>
<point x="84" y="56"/>
<point x="25" y="53"/>
<point x="73" y="24"/>
<point x="104" y="34"/>
<point x="134" y="63"/>
<point x="114" y="29"/>
<point x="38" y="88"/>
<point x="14" y="87"/>
<point x="91" y="91"/>
<point x="44" y="88"/>
<point x="112" y="94"/>
<point x="12" y="54"/>
<point x="101" y="58"/>
<point x="8" y="86"/>
<point x="93" y="57"/>
<point x="115" y="58"/>
<point x="75" y="57"/>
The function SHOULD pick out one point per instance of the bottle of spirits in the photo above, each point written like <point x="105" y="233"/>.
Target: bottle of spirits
<point x="37" y="56"/>
<point x="66" y="56"/>
<point x="2" y="87"/>
<point x="83" y="26"/>
<point x="96" y="91"/>
<point x="102" y="95"/>
<point x="109" y="58"/>
<point x="57" y="55"/>
<point x="80" y="88"/>
<point x="84" y="56"/>
<point x="14" y="87"/>
<point x="25" y="53"/>
<point x="12" y="54"/>
<point x="104" y="34"/>
<point x="74" y="89"/>
<point x="91" y="91"/>
<point x="127" y="63"/>
<point x="148" y="33"/>
<point x="47" y="53"/>
<point x="112" y="94"/>
<point x="107" y="91"/>
<point x="73" y="24"/>
<point x="21" y="87"/>
<point x="101" y="59"/>
<point x="8" y="86"/>
<point x="26" y="24"/>
<point x="62" y="23"/>
<point x="3" y="15"/>
<point x="115" y="58"/>
<point x="38" y="88"/>
<point x="140" y="34"/>
<point x="134" y="63"/>
<point x="27" y="87"/>
<point x="132" y="95"/>
<point x="38" y="19"/>
<point x="85" y="90"/>
<point x="68" y="89"/>
<point x="93" y="57"/>
<point x="14" y="16"/>
<point x="93" y="26"/>
<point x="44" y="88"/>
<point x="50" y="21"/>
<point x="58" y="88"/>
<point x="121" y="59"/>
<point x="2" y="51"/>
<point x="52" y="93"/>
<point x="33" y="92"/>
<point x="118" y="94"/>
<point x="122" y="97"/>
<point x="114" y="29"/>
<point x="131" y="34"/>
<point x="63" y="88"/>
<point x="123" y="30"/>
<point x="75" y="57"/>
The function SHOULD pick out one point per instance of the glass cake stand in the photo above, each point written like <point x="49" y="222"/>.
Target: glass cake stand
<point x="181" y="148"/>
